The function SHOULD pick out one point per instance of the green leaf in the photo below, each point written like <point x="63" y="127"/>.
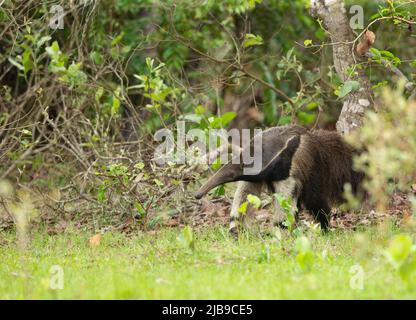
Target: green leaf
<point x="102" y="189"/>
<point x="307" y="42"/>
<point x="115" y="105"/>
<point x="216" y="164"/>
<point x="53" y="50"/>
<point x="140" y="209"/>
<point x="139" y="166"/>
<point x="97" y="57"/>
<point x="27" y="61"/>
<point x="220" y="191"/>
<point x="286" y="205"/>
<point x="227" y="118"/>
<point x="380" y="84"/>
<point x="305" y="255"/>
<point x="186" y="238"/>
<point x="306" y="118"/>
<point x="347" y="87"/>
<point x="149" y="63"/>
<point x="243" y="208"/>
<point x="214" y="122"/>
<point x="192" y="117"/>
<point x="252" y="40"/>
<point x="199" y="110"/>
<point x="158" y="182"/>
<point x="399" y="249"/>
<point x="99" y="94"/>
<point x="408" y="269"/>
<point x="55" y="47"/>
<point x="252" y="3"/>
<point x="42" y="41"/>
<point x="312" y="106"/>
<point x="305" y="260"/>
<point x="254" y="200"/>
<point x="285" y="120"/>
<point x="117" y="39"/>
<point x="264" y="255"/>
<point x="16" y="64"/>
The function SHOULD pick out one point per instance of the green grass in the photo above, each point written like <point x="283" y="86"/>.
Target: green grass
<point x="158" y="266"/>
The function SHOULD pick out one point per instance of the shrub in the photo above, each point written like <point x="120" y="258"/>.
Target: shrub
<point x="389" y="140"/>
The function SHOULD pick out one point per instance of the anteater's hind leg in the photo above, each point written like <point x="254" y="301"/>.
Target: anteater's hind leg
<point x="244" y="188"/>
<point x="322" y="212"/>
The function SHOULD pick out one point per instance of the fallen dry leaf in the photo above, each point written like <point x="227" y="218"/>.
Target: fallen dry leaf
<point x="366" y="42"/>
<point x="254" y="114"/>
<point x="171" y="223"/>
<point x="95" y="240"/>
<point x="262" y="215"/>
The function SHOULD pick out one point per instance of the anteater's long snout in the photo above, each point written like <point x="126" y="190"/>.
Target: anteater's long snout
<point x="224" y="175"/>
<point x="209" y="185"/>
<point x="198" y="195"/>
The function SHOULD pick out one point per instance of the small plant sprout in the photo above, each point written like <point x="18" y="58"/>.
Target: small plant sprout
<point x="278" y="236"/>
<point x="286" y="205"/>
<point x="22" y="212"/>
<point x="264" y="255"/>
<point x="252" y="200"/>
<point x="401" y="254"/>
<point x="252" y="40"/>
<point x="139" y="166"/>
<point x="243" y="208"/>
<point x="305" y="256"/>
<point x="186" y="238"/>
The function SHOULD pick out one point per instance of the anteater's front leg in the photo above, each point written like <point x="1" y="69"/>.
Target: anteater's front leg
<point x="244" y="188"/>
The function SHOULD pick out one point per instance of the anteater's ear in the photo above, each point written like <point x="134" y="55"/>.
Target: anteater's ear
<point x="279" y="167"/>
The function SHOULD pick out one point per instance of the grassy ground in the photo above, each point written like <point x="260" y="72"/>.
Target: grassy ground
<point x="161" y="266"/>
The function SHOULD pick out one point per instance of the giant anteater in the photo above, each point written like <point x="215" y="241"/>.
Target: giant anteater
<point x="312" y="167"/>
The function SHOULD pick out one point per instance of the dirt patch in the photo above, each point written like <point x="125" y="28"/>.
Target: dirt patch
<point x="216" y="212"/>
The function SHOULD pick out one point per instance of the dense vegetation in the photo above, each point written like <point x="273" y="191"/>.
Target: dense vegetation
<point x="82" y="95"/>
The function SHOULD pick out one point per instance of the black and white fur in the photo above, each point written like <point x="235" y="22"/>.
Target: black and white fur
<point x="312" y="167"/>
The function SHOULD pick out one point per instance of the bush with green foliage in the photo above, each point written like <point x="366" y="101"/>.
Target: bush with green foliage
<point x="389" y="140"/>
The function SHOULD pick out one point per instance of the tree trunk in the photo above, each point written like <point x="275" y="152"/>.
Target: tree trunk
<point x="335" y="19"/>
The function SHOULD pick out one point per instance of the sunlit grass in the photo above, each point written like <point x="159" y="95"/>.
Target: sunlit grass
<point x="158" y="266"/>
